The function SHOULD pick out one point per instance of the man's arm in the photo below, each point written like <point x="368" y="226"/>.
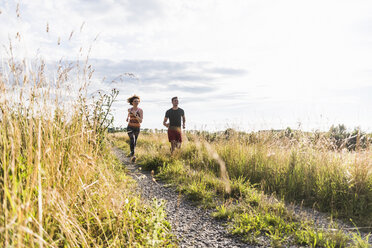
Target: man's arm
<point x="165" y="122"/>
<point x="183" y="121"/>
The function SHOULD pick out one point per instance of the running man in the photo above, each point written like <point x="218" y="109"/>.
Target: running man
<point x="174" y="126"/>
<point x="134" y="119"/>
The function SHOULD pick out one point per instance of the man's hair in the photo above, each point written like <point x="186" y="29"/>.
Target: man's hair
<point x="132" y="98"/>
<point x="173" y="98"/>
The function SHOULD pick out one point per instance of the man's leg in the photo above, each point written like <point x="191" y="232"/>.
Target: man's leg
<point x="179" y="139"/>
<point x="173" y="145"/>
<point x="178" y="144"/>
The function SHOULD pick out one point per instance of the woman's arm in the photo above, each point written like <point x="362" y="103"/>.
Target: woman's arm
<point x="140" y="115"/>
<point x="128" y="115"/>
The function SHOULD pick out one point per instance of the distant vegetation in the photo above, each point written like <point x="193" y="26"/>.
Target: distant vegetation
<point x="342" y="139"/>
<point x="337" y="138"/>
<point x="239" y="173"/>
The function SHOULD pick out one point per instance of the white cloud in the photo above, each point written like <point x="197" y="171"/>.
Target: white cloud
<point x="294" y="53"/>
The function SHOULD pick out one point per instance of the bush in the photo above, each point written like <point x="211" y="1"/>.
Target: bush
<point x="352" y="141"/>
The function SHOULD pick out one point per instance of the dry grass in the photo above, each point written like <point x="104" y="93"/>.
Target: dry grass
<point x="59" y="184"/>
<point x="298" y="169"/>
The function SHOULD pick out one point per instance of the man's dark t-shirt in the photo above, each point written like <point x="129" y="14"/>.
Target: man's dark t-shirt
<point x="174" y="116"/>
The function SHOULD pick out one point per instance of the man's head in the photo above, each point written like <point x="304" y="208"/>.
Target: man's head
<point x="175" y="101"/>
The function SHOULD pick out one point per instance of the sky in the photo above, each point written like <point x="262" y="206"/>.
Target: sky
<point x="243" y="64"/>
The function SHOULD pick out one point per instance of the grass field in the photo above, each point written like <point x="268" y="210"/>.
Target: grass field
<point x="61" y="187"/>
<point x="250" y="177"/>
<point x="59" y="184"/>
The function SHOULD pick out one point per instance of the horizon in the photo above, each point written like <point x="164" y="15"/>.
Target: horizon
<point x="247" y="65"/>
<point x="145" y="129"/>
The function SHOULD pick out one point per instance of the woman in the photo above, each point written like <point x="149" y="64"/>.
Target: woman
<point x="134" y="119"/>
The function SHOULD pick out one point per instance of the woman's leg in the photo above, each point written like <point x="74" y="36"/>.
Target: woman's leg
<point x="136" y="134"/>
<point x="132" y="140"/>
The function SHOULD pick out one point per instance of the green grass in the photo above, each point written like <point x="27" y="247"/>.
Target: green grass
<point x="233" y="175"/>
<point x="60" y="186"/>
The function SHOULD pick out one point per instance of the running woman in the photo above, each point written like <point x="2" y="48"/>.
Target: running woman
<point x="134" y="119"/>
<point x="174" y="126"/>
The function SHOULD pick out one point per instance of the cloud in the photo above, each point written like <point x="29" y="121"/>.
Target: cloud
<point x="143" y="10"/>
<point x="132" y="11"/>
<point x="173" y="76"/>
<point x="295" y="52"/>
<point x="192" y="89"/>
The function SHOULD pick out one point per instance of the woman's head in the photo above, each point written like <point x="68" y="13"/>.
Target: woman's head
<point x="134" y="98"/>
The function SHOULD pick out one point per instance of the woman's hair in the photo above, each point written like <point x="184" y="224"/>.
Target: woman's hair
<point x="132" y="98"/>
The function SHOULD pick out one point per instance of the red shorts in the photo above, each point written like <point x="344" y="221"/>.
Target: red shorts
<point x="174" y="135"/>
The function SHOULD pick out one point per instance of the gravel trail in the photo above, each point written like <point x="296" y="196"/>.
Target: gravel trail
<point x="193" y="226"/>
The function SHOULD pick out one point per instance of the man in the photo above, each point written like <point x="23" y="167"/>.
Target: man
<point x="174" y="126"/>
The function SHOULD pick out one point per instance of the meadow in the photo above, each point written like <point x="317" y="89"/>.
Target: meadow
<point x="252" y="178"/>
<point x="60" y="186"/>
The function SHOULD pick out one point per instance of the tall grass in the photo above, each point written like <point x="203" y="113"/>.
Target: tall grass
<point x="338" y="182"/>
<point x="59" y="184"/>
<point x="297" y="168"/>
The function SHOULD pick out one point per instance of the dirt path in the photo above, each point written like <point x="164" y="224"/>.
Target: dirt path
<point x="194" y="227"/>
